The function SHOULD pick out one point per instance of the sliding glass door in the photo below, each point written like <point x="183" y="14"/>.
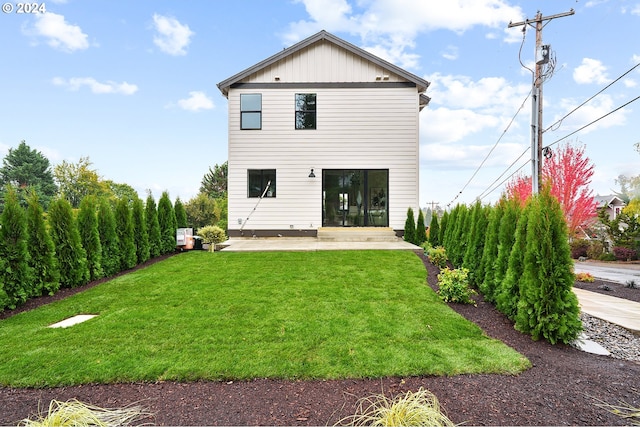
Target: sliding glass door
<point x="355" y="197"/>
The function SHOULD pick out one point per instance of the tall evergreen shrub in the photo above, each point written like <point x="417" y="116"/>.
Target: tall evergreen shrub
<point x="507" y="293"/>
<point x="126" y="239"/>
<point x="153" y="227"/>
<point x="443" y="229"/>
<point x="181" y="213"/>
<point x="434" y="231"/>
<point x="548" y="308"/>
<point x="473" y="255"/>
<point x="72" y="258"/>
<point x="90" y="236"/>
<point x="140" y="231"/>
<point x="506" y="239"/>
<point x="42" y="256"/>
<point x="459" y="236"/>
<point x="16" y="275"/>
<point x="108" y="238"/>
<point x="410" y="227"/>
<point x="490" y="251"/>
<point x="167" y="222"/>
<point x="421" y="230"/>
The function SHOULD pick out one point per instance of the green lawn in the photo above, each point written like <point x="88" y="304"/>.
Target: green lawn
<point x="220" y="316"/>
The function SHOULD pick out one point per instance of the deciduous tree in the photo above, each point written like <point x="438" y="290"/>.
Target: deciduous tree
<point x="77" y="180"/>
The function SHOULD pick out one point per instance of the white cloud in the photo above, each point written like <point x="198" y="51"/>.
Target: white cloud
<point x="75" y="83"/>
<point x="197" y="101"/>
<point x="172" y="37"/>
<point x="450" y="53"/>
<point x="58" y="33"/>
<point x="388" y="28"/>
<point x="590" y="71"/>
<point x="444" y="125"/>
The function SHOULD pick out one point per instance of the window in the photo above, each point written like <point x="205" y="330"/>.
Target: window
<point x="250" y="111"/>
<point x="305" y="110"/>
<point x="258" y="179"/>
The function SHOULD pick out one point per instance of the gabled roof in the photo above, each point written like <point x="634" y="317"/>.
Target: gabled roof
<point x="608" y="200"/>
<point x="421" y="84"/>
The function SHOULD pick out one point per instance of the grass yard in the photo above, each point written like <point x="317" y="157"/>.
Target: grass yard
<point x="221" y="316"/>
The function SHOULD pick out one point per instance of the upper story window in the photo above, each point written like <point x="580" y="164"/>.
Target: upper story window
<point x="262" y="181"/>
<point x="305" y="110"/>
<point x="250" y="111"/>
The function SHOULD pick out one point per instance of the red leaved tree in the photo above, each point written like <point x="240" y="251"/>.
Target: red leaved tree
<point x="569" y="173"/>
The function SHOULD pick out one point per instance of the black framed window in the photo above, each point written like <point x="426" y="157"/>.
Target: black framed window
<point x="258" y="180"/>
<point x="305" y="110"/>
<point x="250" y="111"/>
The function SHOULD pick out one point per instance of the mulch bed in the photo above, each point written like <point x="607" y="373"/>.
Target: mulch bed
<point x="560" y="389"/>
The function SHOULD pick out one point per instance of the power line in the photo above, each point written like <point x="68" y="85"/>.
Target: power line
<point x="492" y="148"/>
<point x="598" y="93"/>
<point x="593" y="122"/>
<point x="491" y="190"/>
<point x="487" y="192"/>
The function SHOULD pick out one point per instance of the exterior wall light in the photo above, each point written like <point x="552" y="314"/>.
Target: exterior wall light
<point x="311" y="174"/>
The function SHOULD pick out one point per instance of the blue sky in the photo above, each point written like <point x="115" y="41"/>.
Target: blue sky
<point x="132" y="85"/>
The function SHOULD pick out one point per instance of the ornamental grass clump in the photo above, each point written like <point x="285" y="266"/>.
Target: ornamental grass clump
<point x="411" y="409"/>
<point x="76" y="413"/>
<point x="454" y="286"/>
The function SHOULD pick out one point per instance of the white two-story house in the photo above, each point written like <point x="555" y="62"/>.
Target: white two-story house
<point x="322" y="134"/>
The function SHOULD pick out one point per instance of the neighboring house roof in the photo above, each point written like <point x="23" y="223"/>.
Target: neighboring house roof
<point x="608" y="201"/>
<point x="420" y="83"/>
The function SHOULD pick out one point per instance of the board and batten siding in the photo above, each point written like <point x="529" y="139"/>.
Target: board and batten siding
<point x="357" y="128"/>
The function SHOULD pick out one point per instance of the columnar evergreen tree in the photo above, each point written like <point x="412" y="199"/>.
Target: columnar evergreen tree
<point x="72" y="258"/>
<point x="153" y="227"/>
<point x="490" y="251"/>
<point x="444" y="224"/>
<point x="167" y="222"/>
<point x="108" y="238"/>
<point x="421" y="230"/>
<point x="451" y="226"/>
<point x="181" y="213"/>
<point x="508" y="293"/>
<point x="126" y="239"/>
<point x="16" y="275"/>
<point x="475" y="248"/>
<point x="410" y="227"/>
<point x="90" y="236"/>
<point x="42" y="257"/>
<point x="548" y="308"/>
<point x="506" y="239"/>
<point x="458" y="237"/>
<point x="140" y="231"/>
<point x="434" y="231"/>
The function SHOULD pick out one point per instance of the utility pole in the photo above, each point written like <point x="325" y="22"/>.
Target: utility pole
<point x="541" y="55"/>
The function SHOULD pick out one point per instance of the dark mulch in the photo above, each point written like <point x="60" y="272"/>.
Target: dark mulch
<point x="560" y="389"/>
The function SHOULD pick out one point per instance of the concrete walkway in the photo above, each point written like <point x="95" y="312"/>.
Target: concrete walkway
<point x="619" y="311"/>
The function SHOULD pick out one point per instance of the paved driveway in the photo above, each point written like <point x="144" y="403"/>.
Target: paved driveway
<point x="620" y="273"/>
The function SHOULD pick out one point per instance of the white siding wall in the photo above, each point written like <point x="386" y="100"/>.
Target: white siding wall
<point x="357" y="128"/>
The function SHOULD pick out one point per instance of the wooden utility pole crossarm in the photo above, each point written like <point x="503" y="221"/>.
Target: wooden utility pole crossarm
<point x="536" y="93"/>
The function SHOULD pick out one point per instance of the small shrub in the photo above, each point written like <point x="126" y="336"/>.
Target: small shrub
<point x="631" y="284"/>
<point x="437" y="256"/>
<point x="585" y="277"/>
<point x="595" y="249"/>
<point x="426" y="246"/>
<point x="624" y="254"/>
<point x="212" y="234"/>
<point x="411" y="409"/>
<point x="410" y="227"/>
<point x="579" y="248"/>
<point x="454" y="286"/>
<point x="607" y="256"/>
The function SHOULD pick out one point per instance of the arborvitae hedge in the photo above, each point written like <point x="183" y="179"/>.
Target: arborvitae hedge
<point x="90" y="236"/>
<point x="108" y="238"/>
<point x="443" y="228"/>
<point x="458" y="241"/>
<point x="167" y="222"/>
<point x="42" y="258"/>
<point x="547" y="307"/>
<point x="434" y="231"/>
<point x="16" y="276"/>
<point x="124" y="230"/>
<point x="153" y="227"/>
<point x="181" y="214"/>
<point x="490" y="251"/>
<point x="140" y="231"/>
<point x="506" y="239"/>
<point x="421" y="230"/>
<point x="475" y="247"/>
<point x="410" y="227"/>
<point x="71" y="256"/>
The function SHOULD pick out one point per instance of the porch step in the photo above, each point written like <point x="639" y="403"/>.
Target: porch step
<point x="356" y="234"/>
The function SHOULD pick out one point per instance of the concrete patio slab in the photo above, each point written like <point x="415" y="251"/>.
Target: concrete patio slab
<point x="309" y="244"/>
<point x="619" y="311"/>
